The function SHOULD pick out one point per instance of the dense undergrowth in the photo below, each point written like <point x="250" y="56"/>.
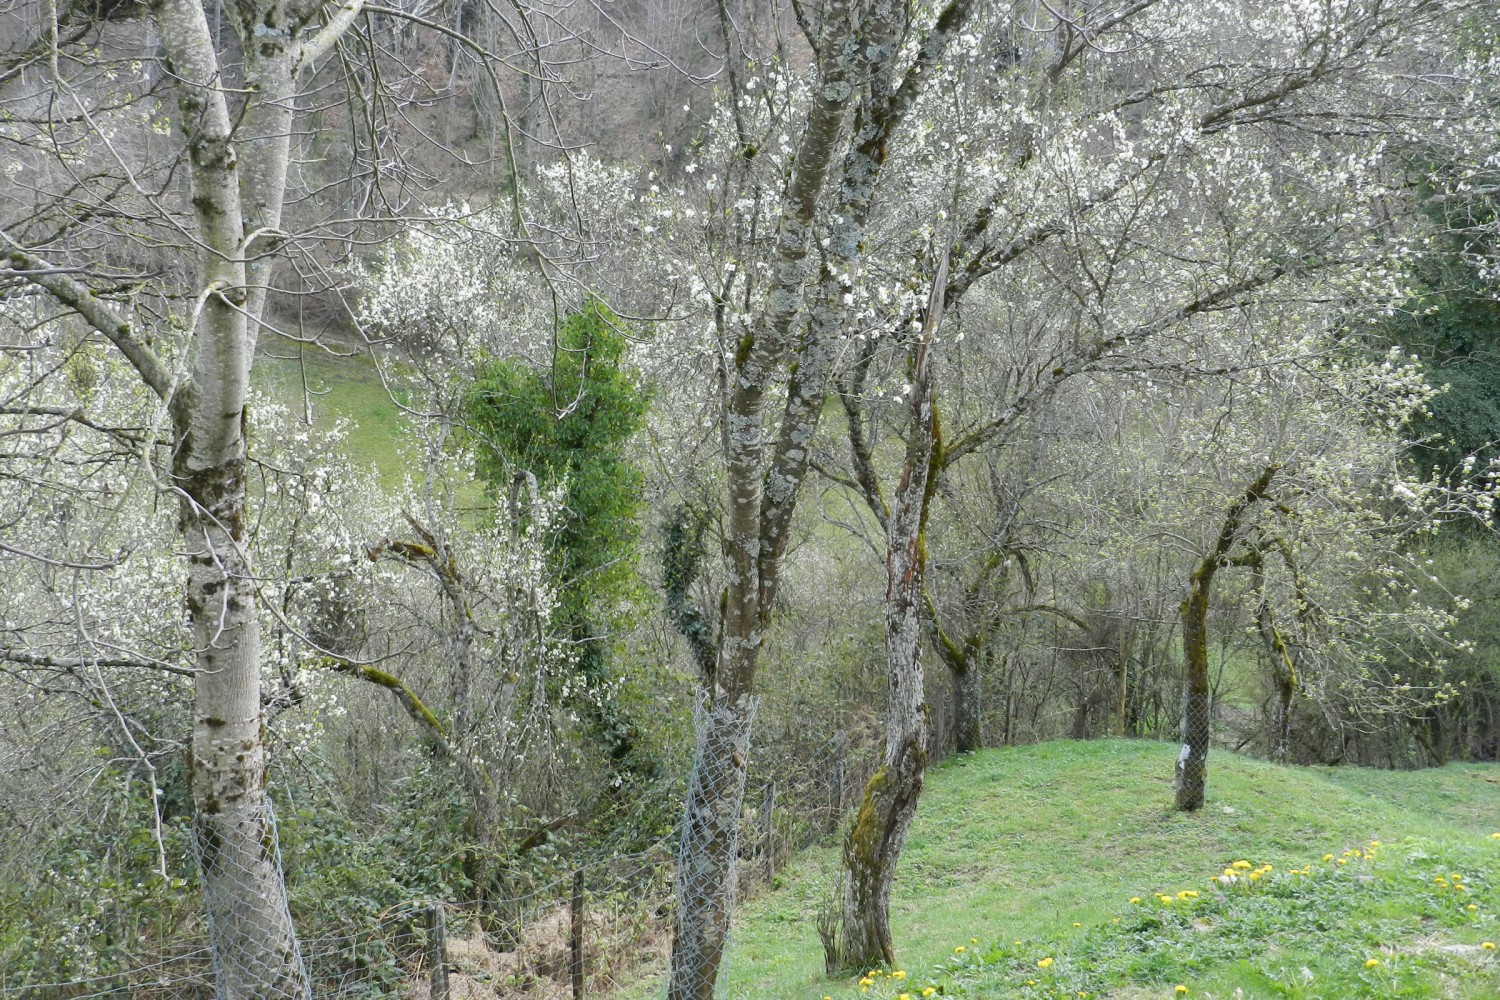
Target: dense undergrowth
<point x="1023" y="862"/>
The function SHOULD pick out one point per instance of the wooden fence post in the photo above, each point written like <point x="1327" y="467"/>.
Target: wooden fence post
<point x="575" y="935"/>
<point x="768" y="830"/>
<point x="836" y="792"/>
<point x="437" y="951"/>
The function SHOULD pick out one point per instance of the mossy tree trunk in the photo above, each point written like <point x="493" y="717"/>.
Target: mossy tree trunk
<point x="756" y="520"/>
<point x="968" y="728"/>
<point x="1192" y="759"/>
<point x="865" y="77"/>
<point x="873" y="845"/>
<point x="1285" y="657"/>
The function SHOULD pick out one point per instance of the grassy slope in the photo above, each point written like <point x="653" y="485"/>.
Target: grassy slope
<point x="1020" y="843"/>
<point x="341" y="387"/>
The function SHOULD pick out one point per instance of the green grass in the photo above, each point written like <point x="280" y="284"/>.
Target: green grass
<point x="339" y="387"/>
<point x="1022" y="844"/>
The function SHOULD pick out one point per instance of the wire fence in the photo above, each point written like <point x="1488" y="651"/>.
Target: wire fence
<point x="594" y="927"/>
<point x="252" y="943"/>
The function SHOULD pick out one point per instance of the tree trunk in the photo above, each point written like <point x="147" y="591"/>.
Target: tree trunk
<point x="755" y="521"/>
<point x="873" y="845"/>
<point x="1283" y="680"/>
<point x="763" y="483"/>
<point x="250" y="926"/>
<point x="709" y="846"/>
<point x="1192" y="760"/>
<point x="968" y="734"/>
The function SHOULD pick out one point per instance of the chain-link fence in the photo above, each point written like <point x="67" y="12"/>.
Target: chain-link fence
<point x="588" y="930"/>
<point x="598" y="923"/>
<point x="708" y="845"/>
<point x="253" y="946"/>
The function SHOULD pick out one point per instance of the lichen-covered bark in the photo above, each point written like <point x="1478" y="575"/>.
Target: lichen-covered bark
<point x="856" y="66"/>
<point x="1192" y="760"/>
<point x="256" y="952"/>
<point x="1284" y="657"/>
<point x="712" y="814"/>
<point x="710" y="844"/>
<point x="968" y="731"/>
<point x="874" y="843"/>
<point x="278" y="40"/>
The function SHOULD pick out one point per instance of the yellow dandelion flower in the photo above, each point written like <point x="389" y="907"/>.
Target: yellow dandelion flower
<point x="1457" y="877"/>
<point x="1179" y="988"/>
<point x="1370" y="963"/>
<point x="1077" y="924"/>
<point x="1471" y="907"/>
<point x="1374" y="843"/>
<point x="1460" y="887"/>
<point x="903" y="996"/>
<point x="1440" y="881"/>
<point x="899" y="974"/>
<point x="959" y="950"/>
<point x="1343" y="861"/>
<point x="867" y="981"/>
<point x="1487" y="945"/>
<point x="1031" y="982"/>
<point x="1135" y="899"/>
<point x="1328" y="857"/>
<point x="1184" y="894"/>
<point x="929" y="991"/>
<point x="1495" y="836"/>
<point x="1266" y="868"/>
<point x="1045" y="963"/>
<point x="973" y="940"/>
<point x="1242" y="865"/>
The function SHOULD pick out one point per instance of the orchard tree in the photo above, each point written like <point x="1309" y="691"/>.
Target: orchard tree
<point x="236" y="160"/>
<point x="1123" y="175"/>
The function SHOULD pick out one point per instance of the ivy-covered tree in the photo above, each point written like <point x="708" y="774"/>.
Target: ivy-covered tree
<point x="570" y="426"/>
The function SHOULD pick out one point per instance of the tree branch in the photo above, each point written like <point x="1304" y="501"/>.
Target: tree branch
<point x="78" y="297"/>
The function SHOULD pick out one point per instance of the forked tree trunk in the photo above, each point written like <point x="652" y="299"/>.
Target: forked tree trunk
<point x="1283" y="680"/>
<point x="857" y="67"/>
<point x="873" y="845"/>
<point x="250" y="926"/>
<point x="1192" y="759"/>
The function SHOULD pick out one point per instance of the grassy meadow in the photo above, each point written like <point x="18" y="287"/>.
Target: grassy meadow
<point x="338" y="387"/>
<point x="1020" y="871"/>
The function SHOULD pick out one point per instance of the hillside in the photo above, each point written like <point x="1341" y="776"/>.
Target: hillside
<point x="1045" y="845"/>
